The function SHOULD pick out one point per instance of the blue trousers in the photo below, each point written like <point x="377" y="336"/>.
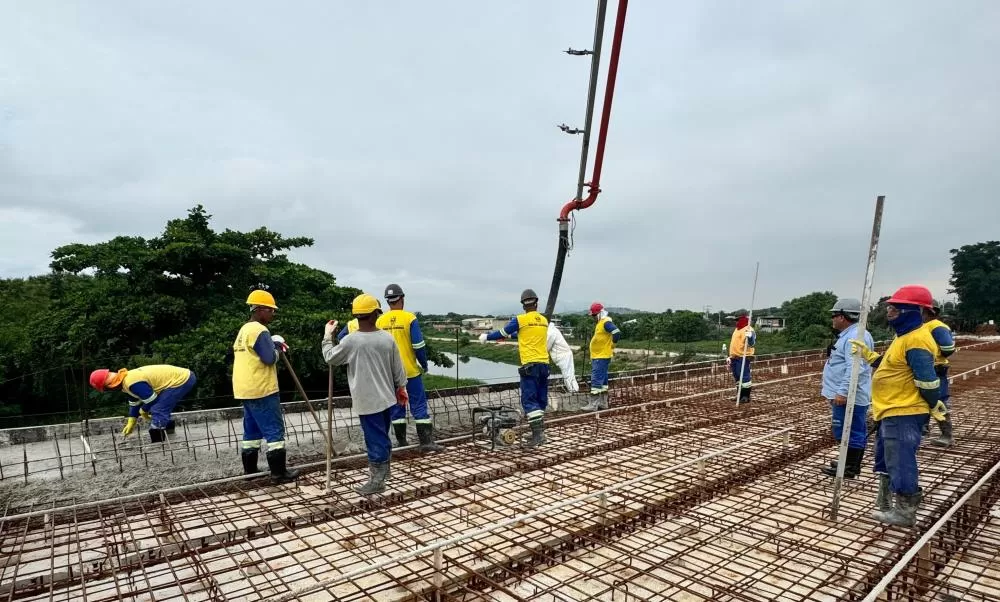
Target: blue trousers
<point x="859" y="425"/>
<point x="896" y="444"/>
<point x="534" y="390"/>
<point x="599" y="375"/>
<point x="167" y="400"/>
<point x="262" y="419"/>
<point x="734" y="366"/>
<point x="418" y="403"/>
<point x="376" y="430"/>
<point x="944" y="394"/>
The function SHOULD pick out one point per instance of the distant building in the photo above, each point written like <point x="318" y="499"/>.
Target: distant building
<point x="481" y="325"/>
<point x="445" y="326"/>
<point x="567" y="331"/>
<point x="769" y="324"/>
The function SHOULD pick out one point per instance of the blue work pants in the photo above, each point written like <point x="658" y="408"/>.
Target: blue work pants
<point x="534" y="390"/>
<point x="376" y="430"/>
<point x="944" y="393"/>
<point x="859" y="425"/>
<point x="599" y="375"/>
<point x="167" y="400"/>
<point x="418" y="403"/>
<point x="734" y="366"/>
<point x="262" y="419"/>
<point x="896" y="444"/>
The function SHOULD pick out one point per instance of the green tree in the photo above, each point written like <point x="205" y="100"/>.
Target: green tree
<point x="807" y="319"/>
<point x="686" y="327"/>
<point x="975" y="278"/>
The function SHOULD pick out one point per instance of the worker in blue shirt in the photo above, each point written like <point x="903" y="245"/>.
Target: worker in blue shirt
<point x="837" y="381"/>
<point x="531" y="329"/>
<point x="945" y="347"/>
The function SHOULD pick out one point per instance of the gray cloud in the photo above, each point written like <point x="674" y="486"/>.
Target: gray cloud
<point x="416" y="143"/>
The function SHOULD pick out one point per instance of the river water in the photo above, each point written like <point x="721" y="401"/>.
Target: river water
<point x="480" y="369"/>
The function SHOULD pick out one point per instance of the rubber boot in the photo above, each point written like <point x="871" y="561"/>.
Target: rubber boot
<point x="171" y="426"/>
<point x="279" y="473"/>
<point x="157" y="435"/>
<point x="249" y="457"/>
<point x="927" y="430"/>
<point x="852" y="467"/>
<point x="744" y="395"/>
<point x="377" y="473"/>
<point x="425" y="432"/>
<point x="904" y="514"/>
<point x="884" y="500"/>
<point x="945" y="440"/>
<point x="400" y="429"/>
<point x="592" y="404"/>
<point x="537" y="434"/>
<point x="602" y="401"/>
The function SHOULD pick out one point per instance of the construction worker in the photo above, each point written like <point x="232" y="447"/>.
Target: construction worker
<point x="904" y="387"/>
<point x="741" y="348"/>
<point x="837" y="381"/>
<point x="377" y="379"/>
<point x="531" y="329"/>
<point x="405" y="329"/>
<point x="945" y="347"/>
<point x="602" y="348"/>
<point x="352" y="324"/>
<point x="155" y="392"/>
<point x="255" y="383"/>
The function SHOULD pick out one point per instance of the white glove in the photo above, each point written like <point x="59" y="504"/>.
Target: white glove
<point x="482" y="338"/>
<point x="279" y="343"/>
<point x="329" y="330"/>
<point x="729" y="362"/>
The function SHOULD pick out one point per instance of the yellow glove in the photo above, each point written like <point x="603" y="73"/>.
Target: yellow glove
<point x="129" y="427"/>
<point x="939" y="412"/>
<point x="145" y="415"/>
<point x="860" y="347"/>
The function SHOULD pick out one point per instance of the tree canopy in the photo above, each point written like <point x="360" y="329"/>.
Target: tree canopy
<point x="975" y="278"/>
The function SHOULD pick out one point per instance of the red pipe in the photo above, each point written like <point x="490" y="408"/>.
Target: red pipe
<point x="602" y="136"/>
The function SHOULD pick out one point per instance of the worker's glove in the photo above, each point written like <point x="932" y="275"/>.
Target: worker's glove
<point x="939" y="411"/>
<point x="279" y="343"/>
<point x="483" y="338"/>
<point x="402" y="396"/>
<point x="859" y="347"/>
<point x="129" y="427"/>
<point x="145" y="415"/>
<point x="330" y="330"/>
<point x="729" y="362"/>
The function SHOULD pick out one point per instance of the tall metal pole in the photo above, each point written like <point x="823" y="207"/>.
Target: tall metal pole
<point x="743" y="359"/>
<point x="329" y="426"/>
<point x="852" y="391"/>
<point x="595" y="65"/>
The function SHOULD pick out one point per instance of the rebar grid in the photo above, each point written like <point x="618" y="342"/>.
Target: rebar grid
<point x="253" y="541"/>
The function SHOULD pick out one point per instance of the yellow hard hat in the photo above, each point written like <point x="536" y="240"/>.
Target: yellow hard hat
<point x="364" y="304"/>
<point x="261" y="298"/>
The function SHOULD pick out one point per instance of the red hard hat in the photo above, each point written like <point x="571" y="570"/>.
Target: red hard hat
<point x="913" y="294"/>
<point x="596" y="308"/>
<point x="98" y="378"/>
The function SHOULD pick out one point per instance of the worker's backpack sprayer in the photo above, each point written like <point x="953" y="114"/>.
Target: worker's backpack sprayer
<point x="493" y="426"/>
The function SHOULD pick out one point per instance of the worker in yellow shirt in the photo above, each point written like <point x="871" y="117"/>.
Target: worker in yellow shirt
<point x="155" y="392"/>
<point x="602" y="348"/>
<point x="255" y="383"/>
<point x="904" y="390"/>
<point x="741" y="350"/>
<point x="945" y="347"/>
<point x="531" y="329"/>
<point x="405" y="329"/>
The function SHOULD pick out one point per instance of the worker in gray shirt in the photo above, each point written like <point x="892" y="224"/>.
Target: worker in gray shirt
<point x="377" y="380"/>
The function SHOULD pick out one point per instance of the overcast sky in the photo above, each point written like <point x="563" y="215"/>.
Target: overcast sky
<point x="417" y="141"/>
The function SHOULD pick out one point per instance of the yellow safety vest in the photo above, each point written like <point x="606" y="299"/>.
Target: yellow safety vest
<point x="159" y="377"/>
<point x="894" y="390"/>
<point x="352" y="326"/>
<point x="738" y="342"/>
<point x="939" y="359"/>
<point x="252" y="378"/>
<point x="601" y="344"/>
<point x="532" y="336"/>
<point x="397" y="323"/>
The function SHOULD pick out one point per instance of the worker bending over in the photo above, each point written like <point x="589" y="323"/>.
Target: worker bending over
<point x="255" y="383"/>
<point x="904" y="388"/>
<point x="405" y="329"/>
<point x="155" y="392"/>
<point x="531" y="329"/>
<point x="377" y="380"/>
<point x="945" y="347"/>
<point x="837" y="383"/>
<point x="602" y="348"/>
<point x="741" y="349"/>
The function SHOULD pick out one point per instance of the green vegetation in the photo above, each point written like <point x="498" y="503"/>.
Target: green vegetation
<point x="437" y="381"/>
<point x="975" y="279"/>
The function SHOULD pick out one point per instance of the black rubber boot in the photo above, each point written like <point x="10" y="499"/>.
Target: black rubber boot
<point x="537" y="433"/>
<point x="157" y="435"/>
<point x="377" y="473"/>
<point x="744" y="395"/>
<point x="945" y="440"/>
<point x="279" y="473"/>
<point x="852" y="468"/>
<point x="171" y="426"/>
<point x="400" y="429"/>
<point x="425" y="432"/>
<point x="249" y="457"/>
<point x="883" y="502"/>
